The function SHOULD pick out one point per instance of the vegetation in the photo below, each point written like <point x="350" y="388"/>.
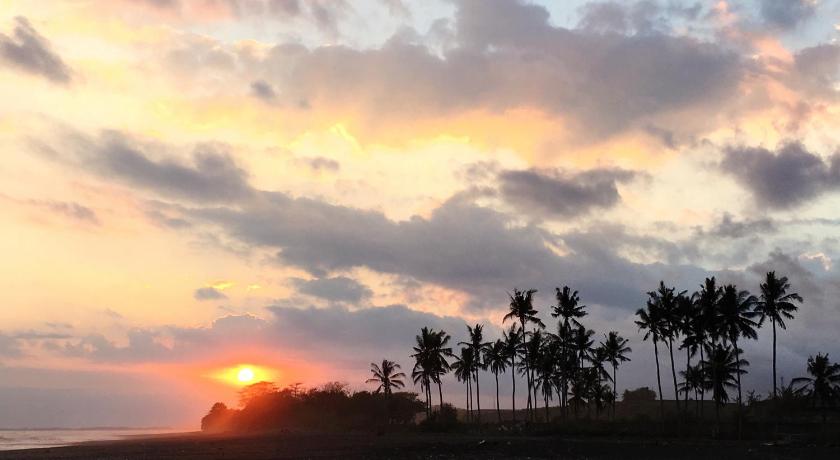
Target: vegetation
<point x="566" y="365"/>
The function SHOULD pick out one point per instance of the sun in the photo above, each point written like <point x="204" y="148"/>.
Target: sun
<point x="245" y="375"/>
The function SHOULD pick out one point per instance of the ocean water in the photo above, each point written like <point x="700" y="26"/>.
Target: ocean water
<point x="29" y="439"/>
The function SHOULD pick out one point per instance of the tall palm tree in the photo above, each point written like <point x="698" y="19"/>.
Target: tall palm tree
<point x="477" y="345"/>
<point x="824" y="384"/>
<point x="430" y="355"/>
<point x="388" y="377"/>
<point x="522" y="309"/>
<point x="667" y="300"/>
<point x="513" y="344"/>
<point x="650" y="319"/>
<point x="722" y="368"/>
<point x="692" y="333"/>
<point x="615" y="351"/>
<point x="776" y="304"/>
<point x="568" y="307"/>
<point x="736" y="321"/>
<point x="462" y="368"/>
<point x="496" y="359"/>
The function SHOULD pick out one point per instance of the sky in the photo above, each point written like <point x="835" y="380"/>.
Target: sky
<point x="190" y="186"/>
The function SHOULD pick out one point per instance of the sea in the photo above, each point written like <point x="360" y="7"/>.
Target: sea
<point x="30" y="439"/>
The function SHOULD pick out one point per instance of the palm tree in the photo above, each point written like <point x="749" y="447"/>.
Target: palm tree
<point x="736" y="320"/>
<point x="477" y="345"/>
<point x="387" y="377"/>
<point x="692" y="332"/>
<point x="462" y="367"/>
<point x="650" y="319"/>
<point x="777" y="305"/>
<point x="824" y="384"/>
<point x="430" y="355"/>
<point x="615" y="351"/>
<point x="567" y="306"/>
<point x="513" y="344"/>
<point x="496" y="358"/>
<point x="723" y="367"/>
<point x="670" y="316"/>
<point x="694" y="379"/>
<point x="522" y="309"/>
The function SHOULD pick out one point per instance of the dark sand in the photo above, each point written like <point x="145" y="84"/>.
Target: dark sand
<point x="409" y="445"/>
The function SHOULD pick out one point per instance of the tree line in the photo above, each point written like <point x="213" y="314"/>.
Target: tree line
<point x="709" y="325"/>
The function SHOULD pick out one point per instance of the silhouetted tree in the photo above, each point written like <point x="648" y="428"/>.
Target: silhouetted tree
<point x="513" y="344"/>
<point x="462" y="367"/>
<point x="736" y="321"/>
<point x="615" y="351"/>
<point x="496" y="359"/>
<point x="722" y="367"/>
<point x="522" y="309"/>
<point x="823" y="385"/>
<point x="776" y="304"/>
<point x="477" y="345"/>
<point x="651" y="320"/>
<point x="387" y="377"/>
<point x="430" y="355"/>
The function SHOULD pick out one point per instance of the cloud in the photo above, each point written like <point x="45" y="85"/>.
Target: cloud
<point x="729" y="227"/>
<point x="263" y="90"/>
<point x="787" y="14"/>
<point x="69" y="209"/>
<point x="208" y="293"/>
<point x="319" y="164"/>
<point x="9" y="346"/>
<point x="212" y="175"/>
<point x="559" y="194"/>
<point x="783" y="179"/>
<point x="28" y="50"/>
<point x="507" y="56"/>
<point x="338" y="289"/>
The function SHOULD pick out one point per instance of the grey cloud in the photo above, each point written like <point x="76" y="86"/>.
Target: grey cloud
<point x="28" y="50"/>
<point x="816" y="69"/>
<point x="319" y="164"/>
<point x="560" y="194"/>
<point x="507" y="56"/>
<point x="787" y="14"/>
<point x="9" y="346"/>
<point x="729" y="227"/>
<point x="461" y="246"/>
<point x="211" y="176"/>
<point x="785" y="178"/>
<point x="69" y="209"/>
<point x="208" y="293"/>
<point x="263" y="90"/>
<point x="339" y="289"/>
<point x="363" y="333"/>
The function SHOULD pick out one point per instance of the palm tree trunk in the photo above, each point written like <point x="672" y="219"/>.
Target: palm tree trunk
<point x="498" y="409"/>
<point x="774" y="360"/>
<point x="513" y="382"/>
<point x="674" y="374"/>
<point x="659" y="383"/>
<point x="738" y="370"/>
<point x="468" y="401"/>
<point x="615" y="392"/>
<point x="477" y="398"/>
<point x="440" y="396"/>
<point x="687" y="368"/>
<point x="471" y="406"/>
<point x="702" y="387"/>
<point x="527" y="363"/>
<point x="545" y="396"/>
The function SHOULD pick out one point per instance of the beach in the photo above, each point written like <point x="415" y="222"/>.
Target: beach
<point x="189" y="446"/>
